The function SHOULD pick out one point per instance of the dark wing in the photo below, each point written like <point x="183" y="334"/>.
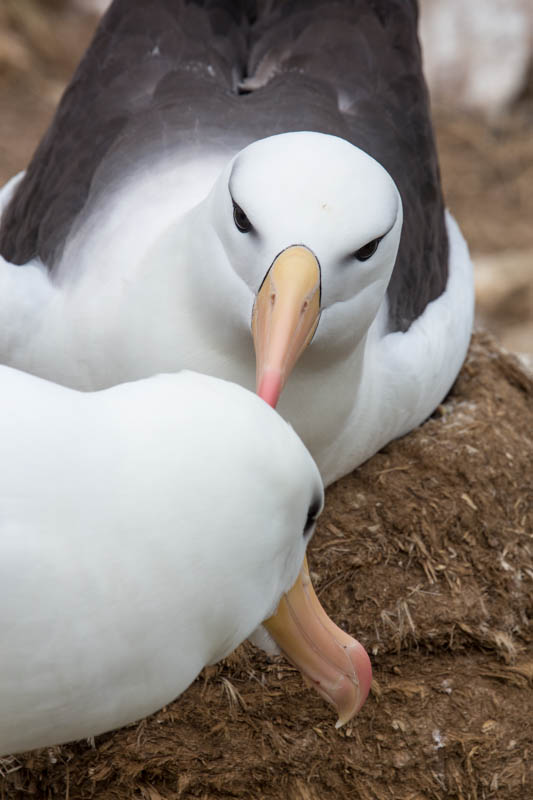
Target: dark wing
<point x="364" y="57"/>
<point x="166" y="73"/>
<point x="150" y="63"/>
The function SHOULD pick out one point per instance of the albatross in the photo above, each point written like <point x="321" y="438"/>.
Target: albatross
<point x="250" y="190"/>
<point x="145" y="531"/>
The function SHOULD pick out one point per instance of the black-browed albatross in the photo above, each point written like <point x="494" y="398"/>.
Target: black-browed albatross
<point x="145" y="531"/>
<point x="223" y="174"/>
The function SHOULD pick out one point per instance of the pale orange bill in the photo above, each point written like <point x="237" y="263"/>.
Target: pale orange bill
<point x="284" y="318"/>
<point x="333" y="662"/>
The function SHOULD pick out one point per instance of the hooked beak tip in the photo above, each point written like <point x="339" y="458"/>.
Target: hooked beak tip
<point x="355" y="701"/>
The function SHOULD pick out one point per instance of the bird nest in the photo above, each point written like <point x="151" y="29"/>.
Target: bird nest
<point x="424" y="553"/>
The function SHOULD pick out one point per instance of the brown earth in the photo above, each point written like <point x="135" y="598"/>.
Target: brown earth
<point x="426" y="554"/>
<point x="487" y="174"/>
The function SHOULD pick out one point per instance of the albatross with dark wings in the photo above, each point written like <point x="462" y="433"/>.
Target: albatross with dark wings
<point x="220" y="175"/>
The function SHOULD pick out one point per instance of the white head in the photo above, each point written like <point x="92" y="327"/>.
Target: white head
<point x="247" y="495"/>
<point x="184" y="511"/>
<point x="341" y="210"/>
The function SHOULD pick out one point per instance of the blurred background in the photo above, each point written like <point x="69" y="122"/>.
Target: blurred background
<point x="478" y="58"/>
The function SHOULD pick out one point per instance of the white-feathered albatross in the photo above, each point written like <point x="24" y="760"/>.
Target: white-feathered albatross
<point x="222" y="174"/>
<point x="145" y="531"/>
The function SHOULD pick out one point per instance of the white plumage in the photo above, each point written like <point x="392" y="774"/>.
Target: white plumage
<point x="145" y="531"/>
<point x="147" y="285"/>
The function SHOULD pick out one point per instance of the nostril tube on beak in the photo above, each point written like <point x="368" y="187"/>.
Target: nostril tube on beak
<point x="285" y="316"/>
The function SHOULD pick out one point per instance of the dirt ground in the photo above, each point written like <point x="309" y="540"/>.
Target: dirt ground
<point x="425" y="553"/>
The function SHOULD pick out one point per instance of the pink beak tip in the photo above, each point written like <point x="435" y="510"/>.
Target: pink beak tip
<point x="364" y="673"/>
<point x="270" y="386"/>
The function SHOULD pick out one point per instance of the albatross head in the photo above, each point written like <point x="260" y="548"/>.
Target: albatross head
<point x="311" y="224"/>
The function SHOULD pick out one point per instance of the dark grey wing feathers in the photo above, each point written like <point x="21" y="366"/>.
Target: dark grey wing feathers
<point x="137" y="47"/>
<point x="167" y="72"/>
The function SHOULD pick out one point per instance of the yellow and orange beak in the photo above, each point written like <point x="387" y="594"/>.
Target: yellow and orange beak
<point x="284" y="318"/>
<point x="330" y="660"/>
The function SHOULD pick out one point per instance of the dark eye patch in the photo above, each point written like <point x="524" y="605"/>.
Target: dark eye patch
<point x="312" y="515"/>
<point x="242" y="223"/>
<point x="367" y="250"/>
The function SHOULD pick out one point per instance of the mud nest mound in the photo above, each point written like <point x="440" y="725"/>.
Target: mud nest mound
<point x="425" y="553"/>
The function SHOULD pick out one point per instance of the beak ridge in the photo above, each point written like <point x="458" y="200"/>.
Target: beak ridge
<point x="285" y="316"/>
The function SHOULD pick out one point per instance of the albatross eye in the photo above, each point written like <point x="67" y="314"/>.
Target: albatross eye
<point x="367" y="250"/>
<point x="312" y="516"/>
<point x="241" y="220"/>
